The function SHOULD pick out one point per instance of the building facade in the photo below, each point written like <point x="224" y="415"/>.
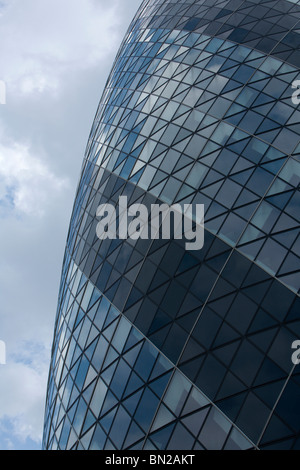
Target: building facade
<point x="157" y="347"/>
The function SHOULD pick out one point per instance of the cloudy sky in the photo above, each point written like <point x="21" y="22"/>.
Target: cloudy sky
<point x="55" y="58"/>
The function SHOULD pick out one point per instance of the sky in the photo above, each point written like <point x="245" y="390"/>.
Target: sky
<point x="56" y="56"/>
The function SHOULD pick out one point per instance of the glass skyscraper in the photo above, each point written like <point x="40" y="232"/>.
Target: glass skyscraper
<point x="157" y="347"/>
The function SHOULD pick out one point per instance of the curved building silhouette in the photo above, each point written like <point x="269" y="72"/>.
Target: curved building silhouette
<point x="157" y="347"/>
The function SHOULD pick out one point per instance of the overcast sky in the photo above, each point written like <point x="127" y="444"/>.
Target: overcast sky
<point x="55" y="58"/>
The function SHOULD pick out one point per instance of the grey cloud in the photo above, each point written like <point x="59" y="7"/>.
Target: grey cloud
<point x="50" y="119"/>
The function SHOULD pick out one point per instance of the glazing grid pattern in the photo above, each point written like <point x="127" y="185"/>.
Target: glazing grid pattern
<point x="235" y="168"/>
<point x="267" y="26"/>
<point x="107" y="368"/>
<point x="190" y="118"/>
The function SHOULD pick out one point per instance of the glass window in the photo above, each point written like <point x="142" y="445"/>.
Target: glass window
<point x="217" y="84"/>
<point x="222" y="133"/>
<point x="181" y="439"/>
<point x="120" y="378"/>
<point x="228" y="193"/>
<point x="247" y="363"/>
<point x="232" y="228"/>
<point x="265" y="217"/>
<point x="247" y="97"/>
<point x="146" y="361"/>
<point x="291" y="172"/>
<point x="270" y="65"/>
<point x="271" y="256"/>
<point x="161" y="438"/>
<point x="197" y="175"/>
<point x="120" y="427"/>
<point x="164" y="416"/>
<point x="237" y="441"/>
<point x="146" y="409"/>
<point x="215" y="431"/>
<point x="98" y="397"/>
<point x="177" y="393"/>
<point x="260" y="181"/>
<point x="121" y="335"/>
<point x="286" y="140"/>
<point x="243" y="73"/>
<point x="281" y="113"/>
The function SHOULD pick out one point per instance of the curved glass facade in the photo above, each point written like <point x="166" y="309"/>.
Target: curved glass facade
<point x="156" y="347"/>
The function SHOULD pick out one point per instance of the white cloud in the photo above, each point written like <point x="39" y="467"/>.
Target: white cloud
<point x="22" y="400"/>
<point x="46" y="38"/>
<point x="26" y="183"/>
<point x="49" y="49"/>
